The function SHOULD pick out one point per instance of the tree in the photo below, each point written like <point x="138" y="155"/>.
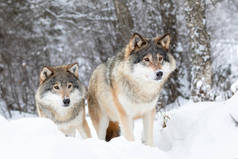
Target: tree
<point x="52" y="32"/>
<point x="22" y="53"/>
<point x="124" y="20"/>
<point x="199" y="48"/>
<point x="168" y="12"/>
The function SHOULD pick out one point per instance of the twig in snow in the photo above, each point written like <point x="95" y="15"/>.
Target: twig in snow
<point x="234" y="120"/>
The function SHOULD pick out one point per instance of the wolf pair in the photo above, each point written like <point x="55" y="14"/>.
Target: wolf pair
<point x="121" y="90"/>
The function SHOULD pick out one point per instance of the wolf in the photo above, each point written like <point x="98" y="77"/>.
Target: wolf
<point x="127" y="87"/>
<point x="61" y="98"/>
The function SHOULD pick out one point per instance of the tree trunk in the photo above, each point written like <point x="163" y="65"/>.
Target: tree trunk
<point x="199" y="48"/>
<point x="125" y="21"/>
<point x="168" y="15"/>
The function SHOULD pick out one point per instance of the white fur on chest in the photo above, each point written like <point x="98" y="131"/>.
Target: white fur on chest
<point x="147" y="87"/>
<point x="134" y="109"/>
<point x="72" y="123"/>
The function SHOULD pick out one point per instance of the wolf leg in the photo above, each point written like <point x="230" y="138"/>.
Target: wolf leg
<point x="87" y="129"/>
<point x="126" y="122"/>
<point x="127" y="125"/>
<point x="102" y="126"/>
<point x="100" y="120"/>
<point x="148" y="123"/>
<point x="84" y="130"/>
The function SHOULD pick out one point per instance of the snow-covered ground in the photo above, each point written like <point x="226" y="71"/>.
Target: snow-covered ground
<point x="203" y="130"/>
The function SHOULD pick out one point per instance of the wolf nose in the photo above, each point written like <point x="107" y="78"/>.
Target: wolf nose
<point x="159" y="75"/>
<point x="66" y="102"/>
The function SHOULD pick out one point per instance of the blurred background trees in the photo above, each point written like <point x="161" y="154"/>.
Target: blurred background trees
<point x="34" y="33"/>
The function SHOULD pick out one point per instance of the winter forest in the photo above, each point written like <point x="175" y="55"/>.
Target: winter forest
<point x="37" y="33"/>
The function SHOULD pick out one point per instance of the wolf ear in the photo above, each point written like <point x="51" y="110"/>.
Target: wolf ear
<point x="45" y="73"/>
<point x="164" y="41"/>
<point x="74" y="69"/>
<point x="135" y="43"/>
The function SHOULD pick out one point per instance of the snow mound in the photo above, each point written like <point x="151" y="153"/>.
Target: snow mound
<point x="207" y="130"/>
<point x="202" y="130"/>
<point x="39" y="138"/>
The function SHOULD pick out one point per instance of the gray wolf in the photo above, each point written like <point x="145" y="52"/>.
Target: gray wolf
<point x="127" y="87"/>
<point x="61" y="98"/>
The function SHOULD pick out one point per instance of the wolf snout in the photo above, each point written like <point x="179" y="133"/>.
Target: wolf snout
<point x="66" y="102"/>
<point x="159" y="75"/>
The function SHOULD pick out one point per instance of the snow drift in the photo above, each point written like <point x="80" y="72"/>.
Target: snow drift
<point x="39" y="138"/>
<point x="202" y="130"/>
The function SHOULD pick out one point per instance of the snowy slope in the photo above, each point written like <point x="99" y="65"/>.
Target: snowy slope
<point x="37" y="138"/>
<point x="202" y="130"/>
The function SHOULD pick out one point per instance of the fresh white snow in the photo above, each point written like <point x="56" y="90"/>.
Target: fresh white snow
<point x="39" y="138"/>
<point x="194" y="131"/>
<point x="202" y="130"/>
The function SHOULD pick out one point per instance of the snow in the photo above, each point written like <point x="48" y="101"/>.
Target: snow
<point x="39" y="138"/>
<point x="234" y="87"/>
<point x="203" y="130"/>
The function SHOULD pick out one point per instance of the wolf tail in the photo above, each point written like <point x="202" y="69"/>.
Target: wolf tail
<point x="113" y="130"/>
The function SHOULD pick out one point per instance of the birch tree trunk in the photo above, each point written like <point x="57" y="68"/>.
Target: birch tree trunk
<point x="199" y="48"/>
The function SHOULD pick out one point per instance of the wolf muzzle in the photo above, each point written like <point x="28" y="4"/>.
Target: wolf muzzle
<point x="159" y="75"/>
<point x="66" y="102"/>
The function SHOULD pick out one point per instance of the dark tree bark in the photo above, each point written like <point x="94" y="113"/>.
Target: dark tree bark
<point x="124" y="20"/>
<point x="168" y="15"/>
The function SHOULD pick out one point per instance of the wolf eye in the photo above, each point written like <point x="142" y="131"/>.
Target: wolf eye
<point x="70" y="85"/>
<point x="160" y="58"/>
<point x="56" y="87"/>
<point x="146" y="59"/>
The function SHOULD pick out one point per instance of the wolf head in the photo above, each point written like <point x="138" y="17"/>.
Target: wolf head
<point x="59" y="86"/>
<point x="149" y="58"/>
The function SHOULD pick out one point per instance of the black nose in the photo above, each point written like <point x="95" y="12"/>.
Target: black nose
<point x="66" y="102"/>
<point x="159" y="75"/>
